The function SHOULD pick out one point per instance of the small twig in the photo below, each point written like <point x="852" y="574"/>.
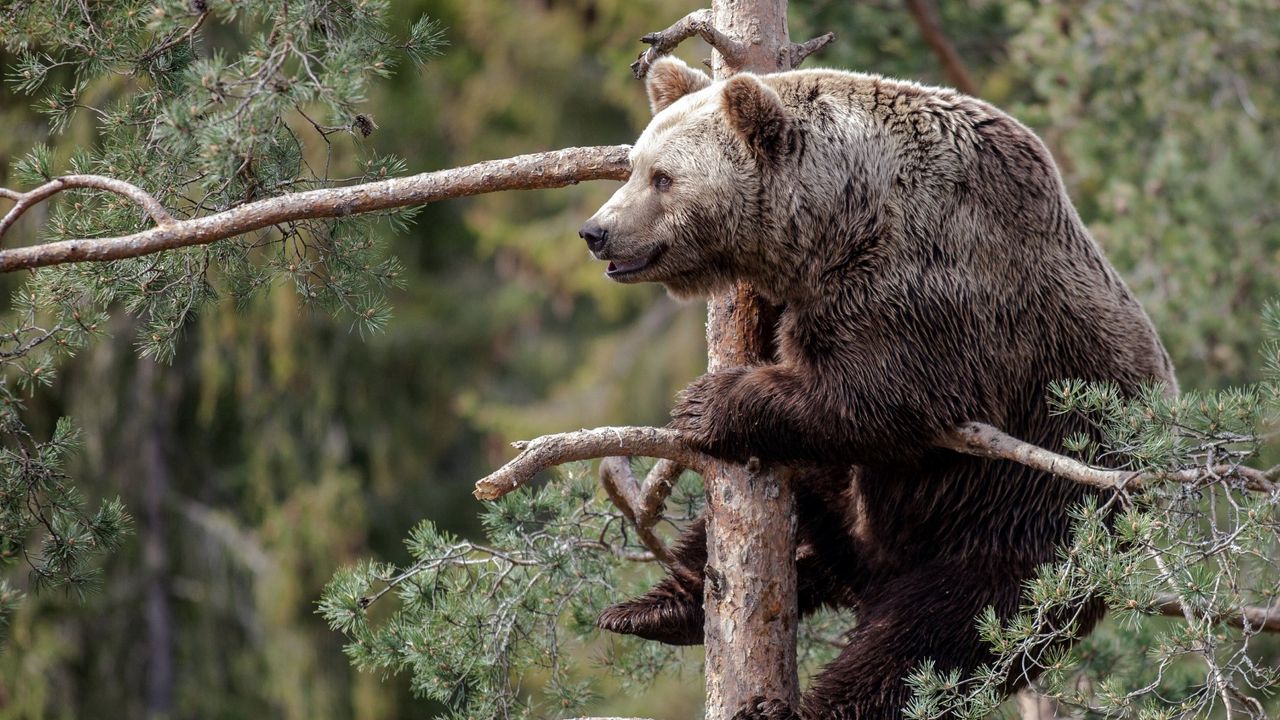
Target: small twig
<point x="1254" y="618"/>
<point x="698" y="22"/>
<point x="25" y="201"/>
<point x="157" y="51"/>
<point x="797" y="52"/>
<point x="551" y="450"/>
<point x="556" y="168"/>
<point x="942" y="47"/>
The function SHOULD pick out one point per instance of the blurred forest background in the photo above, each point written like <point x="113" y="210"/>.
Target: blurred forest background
<point x="281" y="443"/>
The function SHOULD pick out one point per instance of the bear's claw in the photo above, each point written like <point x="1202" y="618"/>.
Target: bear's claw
<point x="759" y="708"/>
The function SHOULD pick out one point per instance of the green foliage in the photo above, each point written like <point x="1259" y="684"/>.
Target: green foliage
<point x="43" y="524"/>
<point x="205" y="133"/>
<point x="202" y="133"/>
<point x="295" y="446"/>
<point x="1208" y="547"/>
<point x="1162" y="116"/>
<point x="478" y="625"/>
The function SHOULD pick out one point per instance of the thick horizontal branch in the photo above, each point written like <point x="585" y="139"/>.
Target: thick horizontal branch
<point x="986" y="441"/>
<point x="641" y="503"/>
<point x="698" y="22"/>
<point x="975" y="439"/>
<point x="549" y="451"/>
<point x="552" y="169"/>
<point x="1253" y="618"/>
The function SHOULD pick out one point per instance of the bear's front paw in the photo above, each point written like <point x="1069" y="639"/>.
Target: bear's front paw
<point x="704" y="414"/>
<point x="761" y="709"/>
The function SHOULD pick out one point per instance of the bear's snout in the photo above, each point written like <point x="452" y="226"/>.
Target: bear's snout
<point x="595" y="234"/>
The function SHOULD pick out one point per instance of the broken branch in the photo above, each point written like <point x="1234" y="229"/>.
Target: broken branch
<point x="556" y="168"/>
<point x="551" y="450"/>
<point x="698" y="22"/>
<point x="657" y="487"/>
<point x="797" y="52"/>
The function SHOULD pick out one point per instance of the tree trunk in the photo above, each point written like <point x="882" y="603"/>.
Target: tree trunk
<point x="154" y="407"/>
<point x="750" y="594"/>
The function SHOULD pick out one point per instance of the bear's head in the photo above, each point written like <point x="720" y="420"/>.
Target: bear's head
<point x="692" y="216"/>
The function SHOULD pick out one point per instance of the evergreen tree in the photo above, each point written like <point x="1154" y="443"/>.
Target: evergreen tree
<point x="1161" y="115"/>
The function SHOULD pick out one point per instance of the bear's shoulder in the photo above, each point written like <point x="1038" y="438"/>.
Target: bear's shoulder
<point x="897" y="104"/>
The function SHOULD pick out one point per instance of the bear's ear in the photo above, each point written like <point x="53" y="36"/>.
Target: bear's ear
<point x="669" y="79"/>
<point x="756" y="114"/>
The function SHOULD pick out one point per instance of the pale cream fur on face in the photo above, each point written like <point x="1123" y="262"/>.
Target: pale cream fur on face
<point x="642" y="220"/>
<point x="652" y="149"/>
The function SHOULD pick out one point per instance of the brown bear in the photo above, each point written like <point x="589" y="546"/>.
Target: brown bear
<point x="932" y="271"/>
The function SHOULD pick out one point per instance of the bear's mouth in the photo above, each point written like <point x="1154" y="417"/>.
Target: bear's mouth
<point x="621" y="269"/>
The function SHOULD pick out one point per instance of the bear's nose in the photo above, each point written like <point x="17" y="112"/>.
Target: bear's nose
<point x="595" y="235"/>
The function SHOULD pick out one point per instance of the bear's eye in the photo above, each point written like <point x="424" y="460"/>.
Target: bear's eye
<point x="661" y="181"/>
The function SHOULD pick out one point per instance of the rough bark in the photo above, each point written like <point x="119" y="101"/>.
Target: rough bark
<point x="539" y="170"/>
<point x="750" y="593"/>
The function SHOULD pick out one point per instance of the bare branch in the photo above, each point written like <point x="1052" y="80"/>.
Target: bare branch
<point x="645" y="500"/>
<point x="657" y="486"/>
<point x="25" y="201"/>
<point x="698" y="22"/>
<point x="556" y="168"/>
<point x="942" y="47"/>
<point x="797" y="52"/>
<point x="623" y="489"/>
<point x="551" y="450"/>
<point x="986" y="441"/>
<point x="177" y="39"/>
<point x="1253" y="618"/>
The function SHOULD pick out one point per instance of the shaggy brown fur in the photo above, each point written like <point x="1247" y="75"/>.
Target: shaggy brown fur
<point x="933" y="272"/>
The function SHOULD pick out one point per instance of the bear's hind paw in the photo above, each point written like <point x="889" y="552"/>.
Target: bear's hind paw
<point x="655" y="616"/>
<point x="758" y="708"/>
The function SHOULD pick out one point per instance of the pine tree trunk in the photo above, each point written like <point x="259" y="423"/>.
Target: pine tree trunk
<point x="750" y="594"/>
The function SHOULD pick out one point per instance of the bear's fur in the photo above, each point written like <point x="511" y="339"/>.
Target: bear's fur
<point x="932" y="271"/>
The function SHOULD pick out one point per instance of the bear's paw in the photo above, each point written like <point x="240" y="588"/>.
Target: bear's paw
<point x="758" y="708"/>
<point x="658" y="615"/>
